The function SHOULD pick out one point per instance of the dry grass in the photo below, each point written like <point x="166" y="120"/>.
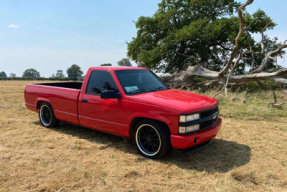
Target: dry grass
<point x="249" y="154"/>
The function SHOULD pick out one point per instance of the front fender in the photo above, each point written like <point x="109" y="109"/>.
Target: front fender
<point x="149" y="116"/>
<point x="170" y="124"/>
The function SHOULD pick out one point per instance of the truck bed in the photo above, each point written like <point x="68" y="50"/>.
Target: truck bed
<point x="63" y="96"/>
<point x="70" y="85"/>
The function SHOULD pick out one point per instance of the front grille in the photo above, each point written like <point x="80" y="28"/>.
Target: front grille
<point x="208" y="123"/>
<point x="208" y="118"/>
<point x="208" y="112"/>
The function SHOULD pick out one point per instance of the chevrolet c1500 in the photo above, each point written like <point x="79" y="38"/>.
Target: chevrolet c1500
<point x="131" y="102"/>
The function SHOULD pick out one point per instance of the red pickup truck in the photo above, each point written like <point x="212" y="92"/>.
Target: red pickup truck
<point x="131" y="102"/>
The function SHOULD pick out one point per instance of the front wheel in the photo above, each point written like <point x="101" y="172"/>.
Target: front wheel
<point x="151" y="139"/>
<point x="46" y="115"/>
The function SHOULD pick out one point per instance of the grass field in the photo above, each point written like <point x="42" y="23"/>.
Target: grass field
<point x="249" y="154"/>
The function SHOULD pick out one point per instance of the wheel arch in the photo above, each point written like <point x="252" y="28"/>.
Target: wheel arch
<point x="136" y="120"/>
<point x="40" y="101"/>
<point x="53" y="122"/>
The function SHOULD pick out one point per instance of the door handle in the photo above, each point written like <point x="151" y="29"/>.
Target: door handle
<point x="85" y="100"/>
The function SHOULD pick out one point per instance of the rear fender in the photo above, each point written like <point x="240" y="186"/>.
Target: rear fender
<point x="41" y="100"/>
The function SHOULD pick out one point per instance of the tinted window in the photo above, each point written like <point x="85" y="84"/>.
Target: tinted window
<point x="139" y="81"/>
<point x="100" y="81"/>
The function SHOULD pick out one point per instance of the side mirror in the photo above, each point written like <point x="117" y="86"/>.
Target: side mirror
<point x="110" y="94"/>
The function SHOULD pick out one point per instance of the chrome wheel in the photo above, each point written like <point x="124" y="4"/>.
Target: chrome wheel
<point x="45" y="115"/>
<point x="148" y="140"/>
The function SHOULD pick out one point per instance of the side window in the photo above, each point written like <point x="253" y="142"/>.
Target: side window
<point x="100" y="81"/>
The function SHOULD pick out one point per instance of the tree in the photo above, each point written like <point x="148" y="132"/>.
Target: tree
<point x="53" y="76"/>
<point x="227" y="74"/>
<point x="106" y="64"/>
<point x="124" y="62"/>
<point x="31" y="73"/>
<point x="200" y="38"/>
<point x="3" y="74"/>
<point x="205" y="29"/>
<point x="12" y="75"/>
<point x="74" y="72"/>
<point x="60" y="74"/>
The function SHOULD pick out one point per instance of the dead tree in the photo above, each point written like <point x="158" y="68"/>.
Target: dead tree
<point x="275" y="104"/>
<point x="226" y="76"/>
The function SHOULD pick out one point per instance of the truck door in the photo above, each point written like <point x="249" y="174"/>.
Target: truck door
<point x="97" y="113"/>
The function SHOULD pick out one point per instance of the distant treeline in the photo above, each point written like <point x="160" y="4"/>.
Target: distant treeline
<point x="36" y="79"/>
<point x="74" y="73"/>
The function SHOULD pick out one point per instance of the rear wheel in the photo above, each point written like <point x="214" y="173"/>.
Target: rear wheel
<point x="152" y="140"/>
<point x="46" y="115"/>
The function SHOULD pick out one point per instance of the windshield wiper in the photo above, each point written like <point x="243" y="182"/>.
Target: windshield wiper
<point x="158" y="88"/>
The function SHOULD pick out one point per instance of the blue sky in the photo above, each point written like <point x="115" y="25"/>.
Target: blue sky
<point x="54" y="34"/>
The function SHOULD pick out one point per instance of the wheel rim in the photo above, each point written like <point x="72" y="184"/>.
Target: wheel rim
<point x="148" y="140"/>
<point x="45" y="115"/>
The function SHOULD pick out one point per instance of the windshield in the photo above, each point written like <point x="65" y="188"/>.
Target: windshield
<point x="139" y="81"/>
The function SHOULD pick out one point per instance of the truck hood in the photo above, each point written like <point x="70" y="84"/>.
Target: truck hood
<point x="185" y="102"/>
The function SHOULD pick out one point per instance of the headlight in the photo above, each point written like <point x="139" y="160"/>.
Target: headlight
<point x="186" y="118"/>
<point x="188" y="129"/>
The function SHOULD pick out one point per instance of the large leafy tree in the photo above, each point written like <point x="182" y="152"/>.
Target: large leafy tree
<point x="203" y="29"/>
<point x="31" y="73"/>
<point x="74" y="72"/>
<point x="124" y="62"/>
<point x="3" y="74"/>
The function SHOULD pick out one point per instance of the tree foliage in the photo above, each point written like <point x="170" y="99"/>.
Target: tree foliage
<point x="205" y="29"/>
<point x="31" y="73"/>
<point x="106" y="64"/>
<point x="12" y="75"/>
<point x="60" y="74"/>
<point x="124" y="62"/>
<point x="74" y="72"/>
<point x="3" y="74"/>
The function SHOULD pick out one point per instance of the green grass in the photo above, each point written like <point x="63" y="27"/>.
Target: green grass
<point x="251" y="106"/>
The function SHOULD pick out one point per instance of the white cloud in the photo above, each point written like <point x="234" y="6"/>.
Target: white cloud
<point x="13" y="26"/>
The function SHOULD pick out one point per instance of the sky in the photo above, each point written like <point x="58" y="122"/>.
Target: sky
<point x="52" y="35"/>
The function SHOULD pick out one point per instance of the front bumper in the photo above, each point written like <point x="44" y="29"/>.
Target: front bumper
<point x="193" y="139"/>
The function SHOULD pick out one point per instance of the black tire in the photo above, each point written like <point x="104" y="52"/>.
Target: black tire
<point x="152" y="140"/>
<point x="46" y="116"/>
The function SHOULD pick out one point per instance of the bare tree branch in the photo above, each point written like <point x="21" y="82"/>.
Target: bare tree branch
<point x="262" y="37"/>
<point x="236" y="63"/>
<point x="250" y="49"/>
<point x="268" y="55"/>
<point x="191" y="57"/>
<point x="235" y="50"/>
<point x="275" y="104"/>
<point x="241" y="30"/>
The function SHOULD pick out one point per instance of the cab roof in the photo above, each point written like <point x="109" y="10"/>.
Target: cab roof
<point x="116" y="68"/>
